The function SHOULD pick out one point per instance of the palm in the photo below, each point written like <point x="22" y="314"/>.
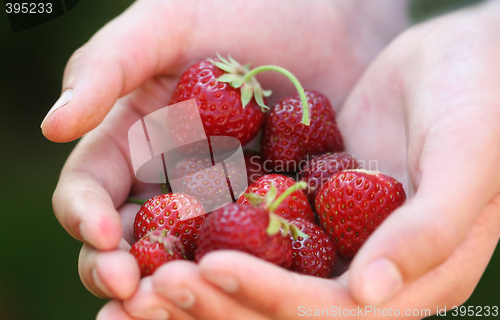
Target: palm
<point x="141" y="62"/>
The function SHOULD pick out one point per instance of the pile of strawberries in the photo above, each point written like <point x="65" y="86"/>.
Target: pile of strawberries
<point x="302" y="226"/>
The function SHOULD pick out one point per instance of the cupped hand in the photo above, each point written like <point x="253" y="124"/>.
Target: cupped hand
<point x="128" y="69"/>
<point x="427" y="110"/>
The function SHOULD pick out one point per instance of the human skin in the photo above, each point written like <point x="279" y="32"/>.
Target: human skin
<point x="428" y="110"/>
<point x="434" y="80"/>
<point x="128" y="69"/>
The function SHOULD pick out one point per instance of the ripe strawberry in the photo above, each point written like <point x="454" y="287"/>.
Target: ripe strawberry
<point x="220" y="105"/>
<point x="294" y="206"/>
<point x="286" y="141"/>
<point x="154" y="249"/>
<point x="353" y="203"/>
<point x="320" y="168"/>
<point x="315" y="255"/>
<point x="199" y="178"/>
<point x="253" y="162"/>
<point x="255" y="166"/>
<point x="189" y="166"/>
<point x="245" y="228"/>
<point x="181" y="215"/>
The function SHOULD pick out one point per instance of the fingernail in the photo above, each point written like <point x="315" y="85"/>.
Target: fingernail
<point x="152" y="314"/>
<point x="183" y="298"/>
<point x="99" y="284"/>
<point x="63" y="100"/>
<point x="381" y="280"/>
<point x="226" y="283"/>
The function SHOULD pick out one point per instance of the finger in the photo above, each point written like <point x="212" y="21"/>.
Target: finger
<point x="455" y="178"/>
<point x="181" y="283"/>
<point x="452" y="283"/>
<point x="127" y="214"/>
<point x="269" y="289"/>
<point x="95" y="180"/>
<point x="118" y="59"/>
<point x="113" y="310"/>
<point x="147" y="304"/>
<point x="269" y="292"/>
<point x="111" y="274"/>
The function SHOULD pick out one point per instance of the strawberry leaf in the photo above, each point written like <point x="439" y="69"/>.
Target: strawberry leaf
<point x="227" y="77"/>
<point x="221" y="58"/>
<point x="274" y="225"/>
<point x="259" y="99"/>
<point x="270" y="196"/>
<point x="296" y="233"/>
<point x="225" y="67"/>
<point x="238" y="82"/>
<point x="253" y="198"/>
<point x="232" y="61"/>
<point x="285" y="227"/>
<point x="246" y="94"/>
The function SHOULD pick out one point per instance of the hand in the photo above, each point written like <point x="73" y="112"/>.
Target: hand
<point x="139" y="57"/>
<point x="428" y="110"/>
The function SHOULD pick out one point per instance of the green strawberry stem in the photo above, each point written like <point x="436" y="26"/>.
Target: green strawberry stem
<point x="276" y="222"/>
<point x="306" y="119"/>
<point x="284" y="195"/>
<point x="239" y="76"/>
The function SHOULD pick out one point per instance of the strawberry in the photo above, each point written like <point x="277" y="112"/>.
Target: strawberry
<point x="199" y="178"/>
<point x="189" y="166"/>
<point x="255" y="166"/>
<point x="294" y="206"/>
<point x="253" y="162"/>
<point x="353" y="203"/>
<point x="286" y="141"/>
<point x="220" y="105"/>
<point x="320" y="168"/>
<point x="154" y="249"/>
<point x="315" y="255"/>
<point x="181" y="215"/>
<point x="251" y="228"/>
<point x="244" y="228"/>
<point x="230" y="100"/>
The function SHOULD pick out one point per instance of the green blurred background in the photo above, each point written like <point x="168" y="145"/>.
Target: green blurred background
<point x="38" y="259"/>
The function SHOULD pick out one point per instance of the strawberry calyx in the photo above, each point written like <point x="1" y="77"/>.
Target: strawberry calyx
<point x="271" y="203"/>
<point x="169" y="242"/>
<point x="241" y="76"/>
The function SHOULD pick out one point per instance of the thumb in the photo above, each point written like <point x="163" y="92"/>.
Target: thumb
<point x="116" y="60"/>
<point x="458" y="179"/>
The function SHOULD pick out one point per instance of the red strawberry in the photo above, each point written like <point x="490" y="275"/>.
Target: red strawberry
<point x="286" y="141"/>
<point x="181" y="215"/>
<point x="353" y="203"/>
<point x="155" y="249"/>
<point x="220" y="105"/>
<point x="199" y="178"/>
<point x="294" y="206"/>
<point x="255" y="166"/>
<point x="189" y="166"/>
<point x="244" y="228"/>
<point x="315" y="255"/>
<point x="320" y="168"/>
